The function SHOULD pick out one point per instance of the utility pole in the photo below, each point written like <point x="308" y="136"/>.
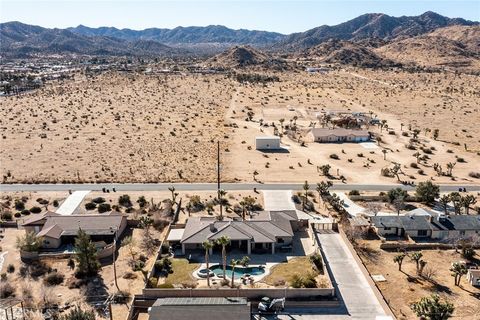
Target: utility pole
<point x="114" y="258"/>
<point x="218" y="168"/>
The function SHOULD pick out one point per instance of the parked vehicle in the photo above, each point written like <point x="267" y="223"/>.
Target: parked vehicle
<point x="268" y="305"/>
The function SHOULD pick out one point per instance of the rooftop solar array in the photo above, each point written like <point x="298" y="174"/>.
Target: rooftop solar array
<point x="199" y="301"/>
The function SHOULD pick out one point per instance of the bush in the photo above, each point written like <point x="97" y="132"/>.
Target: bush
<point x="19" y="205"/>
<point x="35" y="210"/>
<point x="138" y="266"/>
<point x="42" y="201"/>
<point x="414" y="165"/>
<point x="90" y="206"/>
<point x="55" y="203"/>
<point x="10" y="268"/>
<point x="7" y="216"/>
<point x="475" y="175"/>
<point x="104" y="207"/>
<point x="354" y="193"/>
<point x="165" y="286"/>
<point x="17" y="215"/>
<point x="334" y="156"/>
<point x="54" y="279"/>
<point x="164" y="265"/>
<point x="317" y="261"/>
<point x="26" y="212"/>
<point x="296" y="281"/>
<point x="468" y="253"/>
<point x="125" y="201"/>
<point x="461" y="160"/>
<point x="99" y="200"/>
<point x="6" y="290"/>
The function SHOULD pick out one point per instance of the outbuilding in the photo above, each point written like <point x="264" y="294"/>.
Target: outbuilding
<point x="267" y="143"/>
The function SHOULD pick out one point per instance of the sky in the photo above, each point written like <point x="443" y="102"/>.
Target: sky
<point x="284" y="16"/>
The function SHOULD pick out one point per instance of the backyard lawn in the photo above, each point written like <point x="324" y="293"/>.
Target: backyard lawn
<point x="182" y="272"/>
<point x="283" y="272"/>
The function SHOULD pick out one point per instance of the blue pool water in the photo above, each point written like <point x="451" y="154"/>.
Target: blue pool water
<point x="239" y="271"/>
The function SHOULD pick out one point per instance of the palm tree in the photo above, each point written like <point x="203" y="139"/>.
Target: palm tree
<point x="207" y="245"/>
<point x="221" y="194"/>
<point x="399" y="259"/>
<point x="224" y="241"/>
<point x="233" y="263"/>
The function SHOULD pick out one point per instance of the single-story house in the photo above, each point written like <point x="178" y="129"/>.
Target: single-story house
<point x="212" y="308"/>
<point x="264" y="232"/>
<point x="426" y="226"/>
<point x="339" y="135"/>
<point x="267" y="143"/>
<point x="473" y="277"/>
<point x="57" y="230"/>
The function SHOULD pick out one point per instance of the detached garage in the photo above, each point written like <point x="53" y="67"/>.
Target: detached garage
<point x="267" y="143"/>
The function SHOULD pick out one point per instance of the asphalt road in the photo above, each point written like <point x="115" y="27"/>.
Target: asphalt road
<point x="213" y="186"/>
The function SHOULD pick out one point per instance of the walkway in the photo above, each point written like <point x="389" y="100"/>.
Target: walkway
<point x="72" y="202"/>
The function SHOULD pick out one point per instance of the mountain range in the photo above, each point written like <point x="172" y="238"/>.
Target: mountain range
<point x="373" y="36"/>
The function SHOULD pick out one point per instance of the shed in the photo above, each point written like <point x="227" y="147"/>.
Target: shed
<point x="267" y="143"/>
<point x="473" y="277"/>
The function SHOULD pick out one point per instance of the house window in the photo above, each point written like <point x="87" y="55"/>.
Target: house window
<point x="280" y="240"/>
<point x="422" y="233"/>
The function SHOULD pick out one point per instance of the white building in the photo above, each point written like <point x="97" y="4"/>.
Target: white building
<point x="267" y="143"/>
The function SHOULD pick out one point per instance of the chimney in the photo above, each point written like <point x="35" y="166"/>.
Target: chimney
<point x="212" y="227"/>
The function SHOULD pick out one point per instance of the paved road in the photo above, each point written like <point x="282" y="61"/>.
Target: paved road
<point x="212" y="186"/>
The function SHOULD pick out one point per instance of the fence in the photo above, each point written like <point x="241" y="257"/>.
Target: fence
<point x="421" y="246"/>
<point x="255" y="293"/>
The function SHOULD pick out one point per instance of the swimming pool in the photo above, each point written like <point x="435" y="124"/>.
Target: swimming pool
<point x="239" y="271"/>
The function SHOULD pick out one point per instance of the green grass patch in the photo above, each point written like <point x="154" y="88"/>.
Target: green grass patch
<point x="282" y="273"/>
<point x="181" y="271"/>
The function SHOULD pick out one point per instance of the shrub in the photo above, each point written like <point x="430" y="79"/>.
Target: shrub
<point x="90" y="206"/>
<point x="139" y="265"/>
<point x="165" y="286"/>
<point x="17" y="215"/>
<point x="10" y="268"/>
<point x="35" y="210"/>
<point x="19" y="205"/>
<point x="42" y="201"/>
<point x="99" y="200"/>
<point x="79" y="314"/>
<point x="104" y="207"/>
<point x="25" y="212"/>
<point x="164" y="265"/>
<point x="309" y="281"/>
<point x="468" y="253"/>
<point x="125" y="201"/>
<point x="54" y="279"/>
<point x="296" y="281"/>
<point x="6" y="290"/>
<point x="405" y="134"/>
<point x="354" y="193"/>
<point x="414" y="165"/>
<point x="316" y="259"/>
<point x="462" y="160"/>
<point x="334" y="156"/>
<point x="7" y="216"/>
<point x="55" y="203"/>
<point x="475" y="175"/>
<point x="142" y="202"/>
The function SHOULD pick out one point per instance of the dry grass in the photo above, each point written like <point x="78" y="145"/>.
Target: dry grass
<point x="283" y="272"/>
<point x="182" y="272"/>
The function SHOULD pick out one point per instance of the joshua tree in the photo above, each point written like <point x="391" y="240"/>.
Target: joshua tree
<point x="444" y="201"/>
<point x="416" y="256"/>
<point x="422" y="264"/>
<point x="456" y="199"/>
<point x="281" y="123"/>
<point x="207" y="245"/>
<point x="399" y="204"/>
<point x="255" y="174"/>
<point x="306" y="187"/>
<point x="224" y="241"/>
<point x="431" y="308"/>
<point x="325" y="169"/>
<point x="417" y="156"/>
<point x="467" y="201"/>
<point x="427" y="191"/>
<point x="458" y="270"/>
<point x="322" y="188"/>
<point x="415" y="133"/>
<point x="174" y="195"/>
<point x="221" y="194"/>
<point x="450" y="167"/>
<point x="435" y="134"/>
<point x="399" y="259"/>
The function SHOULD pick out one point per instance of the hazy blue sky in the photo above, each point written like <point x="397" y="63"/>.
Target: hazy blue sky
<point x="281" y="16"/>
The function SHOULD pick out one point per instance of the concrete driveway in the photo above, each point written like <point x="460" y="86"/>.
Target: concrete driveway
<point x="278" y="200"/>
<point x="72" y="202"/>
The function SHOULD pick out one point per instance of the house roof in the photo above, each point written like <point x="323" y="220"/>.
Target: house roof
<point x="421" y="222"/>
<point x="199" y="301"/>
<point x="387" y="221"/>
<point x="57" y="226"/>
<point x="267" y="138"/>
<point x="458" y="222"/>
<point x="339" y="132"/>
<point x="265" y="228"/>
<point x="38" y="219"/>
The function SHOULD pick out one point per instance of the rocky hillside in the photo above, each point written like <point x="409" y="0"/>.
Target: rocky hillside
<point x="21" y="40"/>
<point x="245" y="56"/>
<point x="455" y="47"/>
<point x="372" y="25"/>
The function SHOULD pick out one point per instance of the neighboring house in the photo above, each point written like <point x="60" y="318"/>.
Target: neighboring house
<point x="267" y="143"/>
<point x="473" y="277"/>
<point x="57" y="230"/>
<point x="211" y="308"/>
<point x="422" y="226"/>
<point x="264" y="232"/>
<point x="339" y="135"/>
